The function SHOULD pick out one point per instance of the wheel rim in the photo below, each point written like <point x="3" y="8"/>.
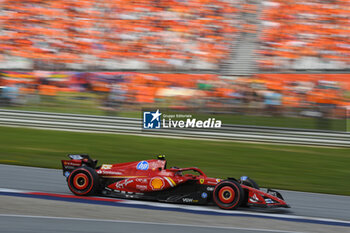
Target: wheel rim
<point x="80" y="181"/>
<point x="226" y="195"/>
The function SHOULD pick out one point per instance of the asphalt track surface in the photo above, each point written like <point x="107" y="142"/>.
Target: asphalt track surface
<point x="18" y="214"/>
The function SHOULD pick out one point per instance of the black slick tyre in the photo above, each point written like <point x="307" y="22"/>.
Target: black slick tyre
<point x="83" y="181"/>
<point x="228" y="194"/>
<point x="250" y="183"/>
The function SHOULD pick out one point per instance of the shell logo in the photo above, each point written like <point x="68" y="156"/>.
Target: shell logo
<point x="157" y="183"/>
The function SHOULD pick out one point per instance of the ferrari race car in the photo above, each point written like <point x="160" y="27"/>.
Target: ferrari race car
<point x="151" y="180"/>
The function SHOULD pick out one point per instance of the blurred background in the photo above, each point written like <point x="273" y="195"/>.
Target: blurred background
<point x="282" y="63"/>
<point x="248" y="63"/>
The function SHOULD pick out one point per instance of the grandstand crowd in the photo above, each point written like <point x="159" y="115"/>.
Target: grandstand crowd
<point x="264" y="94"/>
<point x="309" y="34"/>
<point x="133" y="34"/>
<point x="173" y="34"/>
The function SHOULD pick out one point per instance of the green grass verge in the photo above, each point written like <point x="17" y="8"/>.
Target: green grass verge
<point x="312" y="169"/>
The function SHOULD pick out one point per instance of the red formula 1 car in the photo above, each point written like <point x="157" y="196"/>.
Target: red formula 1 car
<point x="151" y="180"/>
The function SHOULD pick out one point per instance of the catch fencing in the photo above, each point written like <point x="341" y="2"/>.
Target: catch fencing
<point x="106" y="124"/>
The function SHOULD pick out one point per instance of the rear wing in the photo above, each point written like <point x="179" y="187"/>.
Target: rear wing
<point x="77" y="160"/>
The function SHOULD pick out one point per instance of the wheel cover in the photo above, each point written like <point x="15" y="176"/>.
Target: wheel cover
<point x="81" y="181"/>
<point x="226" y="195"/>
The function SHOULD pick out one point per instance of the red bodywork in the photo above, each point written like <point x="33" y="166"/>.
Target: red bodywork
<point x="151" y="176"/>
<point x="155" y="178"/>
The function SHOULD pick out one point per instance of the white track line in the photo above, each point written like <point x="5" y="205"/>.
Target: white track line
<point x="146" y="223"/>
<point x="206" y="209"/>
<point x="235" y="212"/>
<point x="6" y="190"/>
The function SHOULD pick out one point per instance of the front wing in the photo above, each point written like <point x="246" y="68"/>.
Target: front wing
<point x="269" y="199"/>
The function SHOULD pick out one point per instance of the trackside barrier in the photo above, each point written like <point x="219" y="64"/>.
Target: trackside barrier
<point x="107" y="124"/>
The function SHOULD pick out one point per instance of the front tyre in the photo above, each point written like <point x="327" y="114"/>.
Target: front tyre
<point x="228" y="194"/>
<point x="249" y="182"/>
<point x="83" y="181"/>
<point x="245" y="180"/>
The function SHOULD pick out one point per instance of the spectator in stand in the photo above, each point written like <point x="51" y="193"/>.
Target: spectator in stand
<point x="115" y="99"/>
<point x="2" y="99"/>
<point x="273" y="102"/>
<point x="10" y="94"/>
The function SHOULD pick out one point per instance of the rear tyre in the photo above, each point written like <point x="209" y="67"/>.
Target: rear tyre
<point x="83" y="181"/>
<point x="228" y="194"/>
